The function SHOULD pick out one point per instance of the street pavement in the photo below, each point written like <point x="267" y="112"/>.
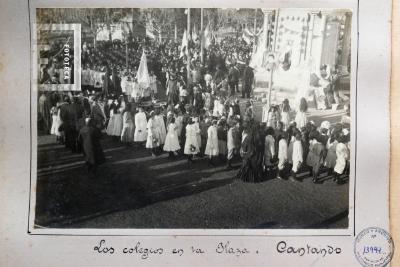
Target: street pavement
<point x="134" y="190"/>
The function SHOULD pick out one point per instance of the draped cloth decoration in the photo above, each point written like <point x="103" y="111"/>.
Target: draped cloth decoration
<point x="184" y="44"/>
<point x="143" y="76"/>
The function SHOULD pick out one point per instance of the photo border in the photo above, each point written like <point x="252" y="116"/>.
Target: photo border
<point x="350" y="231"/>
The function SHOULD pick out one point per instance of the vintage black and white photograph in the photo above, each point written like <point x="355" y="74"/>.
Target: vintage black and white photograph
<point x="192" y="118"/>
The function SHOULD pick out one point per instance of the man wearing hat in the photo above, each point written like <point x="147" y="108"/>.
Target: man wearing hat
<point x="89" y="138"/>
<point x="233" y="79"/>
<point x="248" y="78"/>
<point x="97" y="114"/>
<point x="172" y="89"/>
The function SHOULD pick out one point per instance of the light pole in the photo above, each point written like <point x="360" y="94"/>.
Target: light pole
<point x="187" y="48"/>
<point x="255" y="29"/>
<point x="201" y="36"/>
<point x="270" y="65"/>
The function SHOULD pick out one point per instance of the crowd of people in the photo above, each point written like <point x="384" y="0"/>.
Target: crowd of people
<point x="199" y="118"/>
<point x="280" y="146"/>
<point x="107" y="64"/>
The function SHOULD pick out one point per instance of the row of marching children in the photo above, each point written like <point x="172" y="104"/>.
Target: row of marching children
<point x="287" y="148"/>
<point x="279" y="147"/>
<point x="194" y="136"/>
<point x="285" y="145"/>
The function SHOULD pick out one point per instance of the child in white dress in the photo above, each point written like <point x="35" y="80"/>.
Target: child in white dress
<point x="140" y="126"/>
<point x="297" y="156"/>
<point x="285" y="115"/>
<point x="342" y="153"/>
<point x="212" y="142"/>
<point x="153" y="134"/>
<point x="128" y="126"/>
<point x="56" y="122"/>
<point x="301" y="117"/>
<point x="282" y="154"/>
<point x="171" y="141"/>
<point x="191" y="146"/>
<point x="269" y="149"/>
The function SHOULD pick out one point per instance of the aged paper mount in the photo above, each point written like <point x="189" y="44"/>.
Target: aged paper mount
<point x="395" y="131"/>
<point x="23" y="249"/>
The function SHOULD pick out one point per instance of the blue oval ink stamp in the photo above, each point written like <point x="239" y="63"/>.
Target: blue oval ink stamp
<point x="373" y="247"/>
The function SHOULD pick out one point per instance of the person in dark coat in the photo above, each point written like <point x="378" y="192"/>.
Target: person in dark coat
<point x="116" y="81"/>
<point x="219" y="75"/>
<point x="173" y="91"/>
<point x="251" y="151"/>
<point x="89" y="138"/>
<point x="106" y="82"/>
<point x="248" y="78"/>
<point x="68" y="124"/>
<point x="75" y="111"/>
<point x="233" y="79"/>
<point x="97" y="115"/>
<point x="44" y="113"/>
<point x="315" y="155"/>
<point x="235" y="108"/>
<point x="198" y="101"/>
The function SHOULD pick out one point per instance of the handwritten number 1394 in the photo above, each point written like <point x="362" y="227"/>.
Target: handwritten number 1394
<point x="372" y="250"/>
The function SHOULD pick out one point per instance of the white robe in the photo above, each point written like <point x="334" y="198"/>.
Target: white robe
<point x="269" y="151"/>
<point x="301" y="119"/>
<point x="56" y="122"/>
<point x="127" y="128"/>
<point x="231" y="142"/>
<point x="342" y="153"/>
<point x="297" y="156"/>
<point x="171" y="141"/>
<point x="212" y="142"/>
<point x="140" y="127"/>
<point x="126" y="86"/>
<point x="114" y="127"/>
<point x="219" y="108"/>
<point x="191" y="145"/>
<point x="330" y="160"/>
<point x="153" y="83"/>
<point x="282" y="154"/>
<point x="153" y="134"/>
<point x="136" y="92"/>
<point x="161" y="125"/>
<point x="285" y="119"/>
<point x="198" y="135"/>
<point x="264" y="117"/>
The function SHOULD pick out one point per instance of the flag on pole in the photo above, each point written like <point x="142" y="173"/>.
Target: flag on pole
<point x="246" y="37"/>
<point x="207" y="36"/>
<point x="194" y="33"/>
<point x="143" y="77"/>
<point x="258" y="58"/>
<point x="150" y="30"/>
<point x="184" y="44"/>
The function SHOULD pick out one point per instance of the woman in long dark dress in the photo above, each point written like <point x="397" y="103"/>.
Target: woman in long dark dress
<point x="89" y="136"/>
<point x="252" y="154"/>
